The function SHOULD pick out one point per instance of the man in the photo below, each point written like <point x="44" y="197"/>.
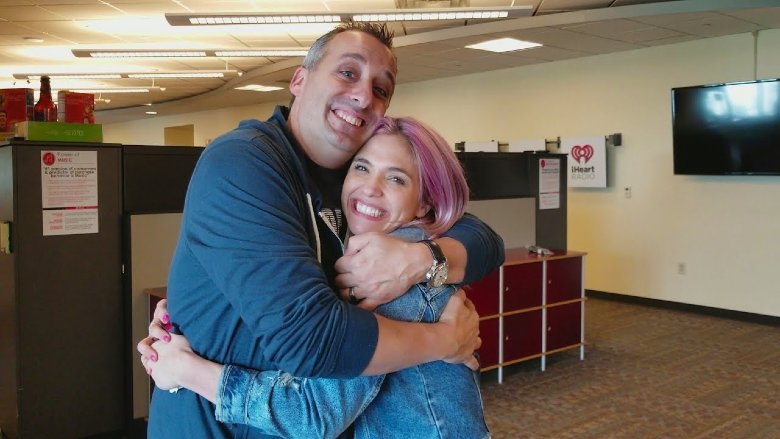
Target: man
<point x="250" y="278"/>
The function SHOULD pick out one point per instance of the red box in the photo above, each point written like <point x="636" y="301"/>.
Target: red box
<point x="16" y="105"/>
<point x="75" y="107"/>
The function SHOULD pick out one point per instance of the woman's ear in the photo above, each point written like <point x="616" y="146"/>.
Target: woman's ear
<point x="423" y="210"/>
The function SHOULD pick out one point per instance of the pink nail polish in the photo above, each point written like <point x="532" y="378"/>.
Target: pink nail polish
<point x="168" y="327"/>
<point x="166" y="338"/>
<point x="166" y="318"/>
<point x="153" y="357"/>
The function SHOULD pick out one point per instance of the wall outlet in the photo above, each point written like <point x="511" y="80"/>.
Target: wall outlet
<point x="682" y="268"/>
<point x="627" y="192"/>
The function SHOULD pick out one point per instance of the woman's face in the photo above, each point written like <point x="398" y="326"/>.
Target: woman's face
<point x="382" y="189"/>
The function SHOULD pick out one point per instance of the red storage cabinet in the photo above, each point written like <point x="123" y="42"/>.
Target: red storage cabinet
<point x="531" y="307"/>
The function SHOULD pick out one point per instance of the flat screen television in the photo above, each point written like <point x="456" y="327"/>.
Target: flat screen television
<point x="727" y="129"/>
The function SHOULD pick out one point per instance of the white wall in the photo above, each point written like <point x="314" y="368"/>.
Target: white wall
<point x="208" y="125"/>
<point x="726" y="229"/>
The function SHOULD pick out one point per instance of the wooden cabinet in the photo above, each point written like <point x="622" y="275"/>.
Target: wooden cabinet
<point x="533" y="306"/>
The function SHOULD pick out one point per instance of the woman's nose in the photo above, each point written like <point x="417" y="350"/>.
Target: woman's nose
<point x="372" y="186"/>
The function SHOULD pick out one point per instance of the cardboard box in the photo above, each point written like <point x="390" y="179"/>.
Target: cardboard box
<point x="75" y="107"/>
<point x="16" y="105"/>
<point x="60" y="131"/>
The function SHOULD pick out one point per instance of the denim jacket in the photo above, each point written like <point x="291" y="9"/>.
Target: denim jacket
<point x="432" y="400"/>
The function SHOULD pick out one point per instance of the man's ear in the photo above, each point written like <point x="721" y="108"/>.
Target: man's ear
<point x="296" y="83"/>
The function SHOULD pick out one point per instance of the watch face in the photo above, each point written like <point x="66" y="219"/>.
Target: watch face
<point x="439" y="276"/>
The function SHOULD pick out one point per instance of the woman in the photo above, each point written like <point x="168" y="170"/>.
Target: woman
<point x="405" y="181"/>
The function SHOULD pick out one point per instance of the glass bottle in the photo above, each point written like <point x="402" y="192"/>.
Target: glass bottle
<point x="45" y="110"/>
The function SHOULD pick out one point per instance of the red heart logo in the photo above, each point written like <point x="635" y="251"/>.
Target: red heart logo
<point x="579" y="152"/>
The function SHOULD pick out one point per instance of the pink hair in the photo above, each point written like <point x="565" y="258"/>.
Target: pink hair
<point x="442" y="183"/>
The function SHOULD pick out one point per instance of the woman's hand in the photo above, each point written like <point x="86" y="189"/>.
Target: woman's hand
<point x="158" y="330"/>
<point x="172" y="358"/>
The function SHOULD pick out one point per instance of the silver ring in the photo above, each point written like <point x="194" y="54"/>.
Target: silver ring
<point x="352" y="298"/>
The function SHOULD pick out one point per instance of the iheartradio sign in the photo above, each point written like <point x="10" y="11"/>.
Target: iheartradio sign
<point x="587" y="165"/>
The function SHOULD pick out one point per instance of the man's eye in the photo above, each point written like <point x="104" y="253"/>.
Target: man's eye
<point x="347" y="73"/>
<point x="380" y="91"/>
<point x="361" y="168"/>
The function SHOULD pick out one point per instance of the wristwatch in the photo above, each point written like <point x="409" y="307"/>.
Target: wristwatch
<point x="437" y="274"/>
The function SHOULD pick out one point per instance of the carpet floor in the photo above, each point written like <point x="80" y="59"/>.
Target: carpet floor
<point x="648" y="373"/>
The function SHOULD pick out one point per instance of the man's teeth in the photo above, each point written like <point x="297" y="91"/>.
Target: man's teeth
<point x="367" y="210"/>
<point x="352" y="120"/>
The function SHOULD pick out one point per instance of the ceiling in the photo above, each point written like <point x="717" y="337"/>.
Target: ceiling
<point x="567" y="29"/>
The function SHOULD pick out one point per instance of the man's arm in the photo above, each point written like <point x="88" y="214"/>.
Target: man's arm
<point x="382" y="267"/>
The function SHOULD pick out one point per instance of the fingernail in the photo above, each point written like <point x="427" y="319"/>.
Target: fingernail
<point x="148" y="371"/>
<point x="153" y="357"/>
<point x="168" y="327"/>
<point x="166" y="338"/>
<point x="166" y="318"/>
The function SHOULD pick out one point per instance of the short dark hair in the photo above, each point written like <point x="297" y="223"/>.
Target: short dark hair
<point x="376" y="30"/>
<point x="317" y="50"/>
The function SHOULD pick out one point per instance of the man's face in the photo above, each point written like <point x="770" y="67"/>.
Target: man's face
<point x="338" y="101"/>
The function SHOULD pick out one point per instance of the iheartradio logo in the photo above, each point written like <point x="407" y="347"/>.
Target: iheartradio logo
<point x="580" y="152"/>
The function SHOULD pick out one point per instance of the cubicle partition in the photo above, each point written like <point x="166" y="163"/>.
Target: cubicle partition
<point x="79" y="217"/>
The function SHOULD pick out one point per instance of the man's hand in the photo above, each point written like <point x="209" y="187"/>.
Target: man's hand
<point x="380" y="268"/>
<point x="462" y="321"/>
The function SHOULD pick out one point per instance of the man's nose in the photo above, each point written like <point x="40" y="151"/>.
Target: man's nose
<point x="362" y="94"/>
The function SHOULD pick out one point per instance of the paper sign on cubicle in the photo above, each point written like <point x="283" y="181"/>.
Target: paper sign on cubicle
<point x="527" y="145"/>
<point x="549" y="183"/>
<point x="587" y="161"/>
<point x="69" y="192"/>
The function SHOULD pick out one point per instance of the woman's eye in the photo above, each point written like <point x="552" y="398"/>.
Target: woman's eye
<point x="397" y="180"/>
<point x="347" y="73"/>
<point x="381" y="92"/>
<point x="360" y="168"/>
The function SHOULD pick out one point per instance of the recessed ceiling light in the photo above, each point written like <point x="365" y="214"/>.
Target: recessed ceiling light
<point x="258" y="87"/>
<point x="151" y="113"/>
<point x="33" y="39"/>
<point x="504" y="45"/>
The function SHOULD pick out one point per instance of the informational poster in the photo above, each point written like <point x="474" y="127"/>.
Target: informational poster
<point x="69" y="192"/>
<point x="587" y="161"/>
<point x="549" y="184"/>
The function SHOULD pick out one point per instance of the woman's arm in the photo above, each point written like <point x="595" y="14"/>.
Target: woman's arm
<point x="274" y="402"/>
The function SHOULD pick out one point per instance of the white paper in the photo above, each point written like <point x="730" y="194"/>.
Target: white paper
<point x="70" y="221"/>
<point x="491" y="146"/>
<point x="549" y="183"/>
<point x="527" y="145"/>
<point x="69" y="192"/>
<point x="587" y="165"/>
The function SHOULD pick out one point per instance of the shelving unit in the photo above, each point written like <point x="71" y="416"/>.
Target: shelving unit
<point x="531" y="307"/>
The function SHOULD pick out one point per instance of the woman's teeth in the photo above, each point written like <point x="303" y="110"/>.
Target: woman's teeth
<point x="367" y="210"/>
